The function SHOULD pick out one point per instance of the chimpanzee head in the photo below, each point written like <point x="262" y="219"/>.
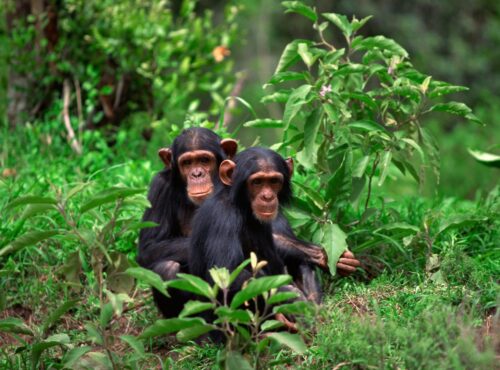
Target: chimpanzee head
<point x="259" y="180"/>
<point x="194" y="158"/>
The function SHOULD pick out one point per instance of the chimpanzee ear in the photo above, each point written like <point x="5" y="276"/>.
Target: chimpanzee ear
<point x="289" y="163"/>
<point x="230" y="147"/>
<point x="166" y="156"/>
<point x="226" y="169"/>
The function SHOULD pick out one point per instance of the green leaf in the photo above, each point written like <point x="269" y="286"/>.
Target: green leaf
<point x="56" y="315"/>
<point x="188" y="334"/>
<point x="106" y="315"/>
<point x="367" y="125"/>
<point x="168" y="326"/>
<point x="313" y="195"/>
<point x="311" y="129"/>
<point x="29" y="199"/>
<point x="25" y="240"/>
<point x="334" y="242"/>
<point x="194" y="307"/>
<point x="488" y="159"/>
<point x="360" y="167"/>
<point x="386" y="161"/>
<point x="292" y="341"/>
<point x="277" y="97"/>
<point x="134" y="343"/>
<point x="93" y="334"/>
<point x="445" y="90"/>
<point x="72" y="356"/>
<point x="232" y="315"/>
<point x="357" y="24"/>
<point x="257" y="287"/>
<point x="149" y="277"/>
<point x="417" y="147"/>
<point x="459" y="109"/>
<point x="286" y="76"/>
<point x="460" y="221"/>
<point x="400" y="228"/>
<point x="290" y="56"/>
<point x="271" y="325"/>
<point x="109" y="195"/>
<point x="300" y="8"/>
<point x="264" y="123"/>
<point x="75" y="190"/>
<point x="340" y="21"/>
<point x="238" y="270"/>
<point x="281" y="296"/>
<point x="34" y="209"/>
<point x="193" y="284"/>
<point x="38" y="348"/>
<point x="340" y="183"/>
<point x="379" y="42"/>
<point x="14" y="325"/>
<point x="294" y="308"/>
<point x="304" y="53"/>
<point x="235" y="360"/>
<point x="364" y="98"/>
<point x="295" y="102"/>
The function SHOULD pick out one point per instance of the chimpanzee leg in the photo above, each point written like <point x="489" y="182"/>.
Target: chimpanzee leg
<point x="308" y="282"/>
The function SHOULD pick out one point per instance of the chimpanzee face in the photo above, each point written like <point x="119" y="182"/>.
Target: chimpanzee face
<point x="196" y="168"/>
<point x="263" y="188"/>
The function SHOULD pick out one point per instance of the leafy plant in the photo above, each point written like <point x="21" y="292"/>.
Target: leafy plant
<point x="357" y="113"/>
<point x="247" y="332"/>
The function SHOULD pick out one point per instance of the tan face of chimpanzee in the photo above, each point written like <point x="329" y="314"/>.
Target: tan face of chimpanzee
<point x="263" y="188"/>
<point x="196" y="168"/>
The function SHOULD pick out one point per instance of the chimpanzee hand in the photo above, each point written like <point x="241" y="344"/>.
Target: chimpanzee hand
<point x="347" y="264"/>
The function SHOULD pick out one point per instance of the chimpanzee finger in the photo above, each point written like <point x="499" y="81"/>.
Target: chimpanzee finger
<point x="348" y="254"/>
<point x="342" y="266"/>
<point x="350" y="261"/>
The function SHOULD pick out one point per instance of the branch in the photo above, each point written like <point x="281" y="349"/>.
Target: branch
<point x="73" y="142"/>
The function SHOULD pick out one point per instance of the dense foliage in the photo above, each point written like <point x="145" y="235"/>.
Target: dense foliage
<point x="355" y="117"/>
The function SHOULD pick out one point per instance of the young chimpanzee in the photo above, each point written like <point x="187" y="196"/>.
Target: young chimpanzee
<point x="238" y="218"/>
<point x="190" y="176"/>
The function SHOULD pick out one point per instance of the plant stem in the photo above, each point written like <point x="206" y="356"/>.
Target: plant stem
<point x="375" y="164"/>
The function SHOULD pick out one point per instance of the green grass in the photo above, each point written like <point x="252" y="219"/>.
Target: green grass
<point x="404" y="311"/>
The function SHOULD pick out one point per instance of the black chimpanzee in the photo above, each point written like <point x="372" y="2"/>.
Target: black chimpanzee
<point x="190" y="176"/>
<point x="238" y="218"/>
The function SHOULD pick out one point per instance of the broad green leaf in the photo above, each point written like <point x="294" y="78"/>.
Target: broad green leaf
<point x="367" y="125"/>
<point x="149" y="277"/>
<point x="340" y="21"/>
<point x="238" y="270"/>
<point x="168" y="326"/>
<point x="220" y="276"/>
<point x="193" y="284"/>
<point x="232" y="315"/>
<point x="281" y="296"/>
<point x="134" y="343"/>
<point x="304" y="53"/>
<point x="459" y="109"/>
<point x="313" y="195"/>
<point x="25" y="240"/>
<point x="34" y="209"/>
<point x="72" y="356"/>
<point x="461" y="221"/>
<point x="106" y="315"/>
<point x="14" y="325"/>
<point x="488" y="159"/>
<point x="360" y="167"/>
<point x="379" y="42"/>
<point x="29" y="199"/>
<point x="351" y="68"/>
<point x="294" y="308"/>
<point x="193" y="332"/>
<point x="109" y="196"/>
<point x="415" y="145"/>
<point x="300" y="8"/>
<point x="364" y="98"/>
<point x="384" y="169"/>
<point x="334" y="242"/>
<point x="332" y="57"/>
<point x="56" y="315"/>
<point x="445" y="90"/>
<point x="75" y="190"/>
<point x="292" y="341"/>
<point x="271" y="325"/>
<point x="399" y="228"/>
<point x="286" y="76"/>
<point x="264" y="123"/>
<point x="277" y="97"/>
<point x="289" y="56"/>
<point x="295" y="102"/>
<point x="194" y="307"/>
<point x="53" y="341"/>
<point x="340" y="183"/>
<point x="357" y="24"/>
<point x="311" y="129"/>
<point x="236" y="361"/>
<point x="93" y="334"/>
<point x="257" y="287"/>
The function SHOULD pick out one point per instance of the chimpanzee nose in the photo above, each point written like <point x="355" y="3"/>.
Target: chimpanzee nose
<point x="267" y="196"/>
<point x="197" y="173"/>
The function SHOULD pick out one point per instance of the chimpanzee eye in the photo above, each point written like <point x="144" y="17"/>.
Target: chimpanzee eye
<point x="186" y="162"/>
<point x="204" y="160"/>
<point x="256" y="181"/>
<point x="275" y="181"/>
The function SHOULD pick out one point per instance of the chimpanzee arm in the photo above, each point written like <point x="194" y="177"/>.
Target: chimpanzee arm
<point x="156" y="243"/>
<point x="291" y="248"/>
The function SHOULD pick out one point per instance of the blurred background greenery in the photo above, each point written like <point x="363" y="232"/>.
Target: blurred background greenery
<point x="142" y="72"/>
